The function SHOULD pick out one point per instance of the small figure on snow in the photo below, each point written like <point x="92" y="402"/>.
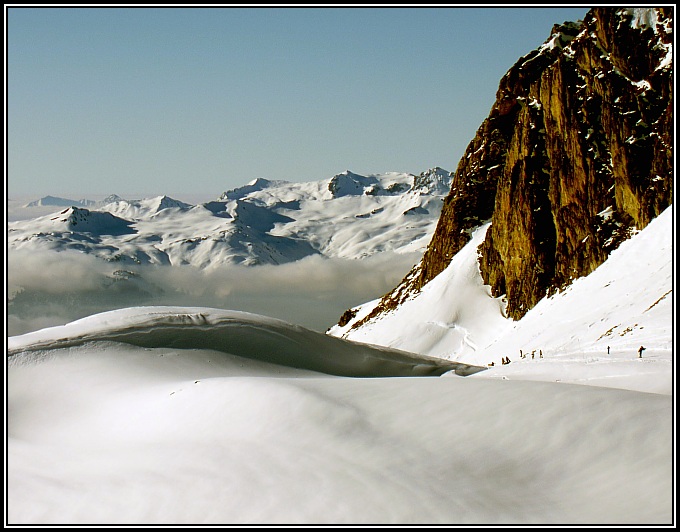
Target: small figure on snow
<point x="520" y="354"/>
<point x="640" y="351"/>
<point x="540" y="353"/>
<point x="607" y="349"/>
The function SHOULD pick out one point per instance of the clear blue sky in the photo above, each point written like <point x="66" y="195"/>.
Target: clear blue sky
<point x="150" y="101"/>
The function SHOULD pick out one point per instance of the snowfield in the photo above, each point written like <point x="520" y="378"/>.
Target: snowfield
<point x="589" y="333"/>
<point x="178" y="415"/>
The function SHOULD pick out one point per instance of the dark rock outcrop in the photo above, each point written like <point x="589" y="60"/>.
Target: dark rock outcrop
<point x="576" y="154"/>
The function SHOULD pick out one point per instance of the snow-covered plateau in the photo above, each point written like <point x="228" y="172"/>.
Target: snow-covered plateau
<point x="191" y="415"/>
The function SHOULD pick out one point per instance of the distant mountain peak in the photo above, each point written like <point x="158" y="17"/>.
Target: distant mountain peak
<point x="113" y="198"/>
<point x="433" y="181"/>
<point x="79" y="219"/>
<point x="166" y="202"/>
<point x="260" y="182"/>
<point x="255" y="185"/>
<point x="54" y="201"/>
<point x="348" y="183"/>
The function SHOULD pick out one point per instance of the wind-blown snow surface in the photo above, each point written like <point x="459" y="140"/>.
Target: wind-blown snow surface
<point x="179" y="416"/>
<point x="243" y="334"/>
<point x="589" y="333"/>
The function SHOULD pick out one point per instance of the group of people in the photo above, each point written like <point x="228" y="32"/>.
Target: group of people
<point x="642" y="348"/>
<point x="506" y="360"/>
<point x="533" y="354"/>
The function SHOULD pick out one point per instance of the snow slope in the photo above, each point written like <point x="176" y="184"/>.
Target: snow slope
<point x="149" y="416"/>
<point x="627" y="302"/>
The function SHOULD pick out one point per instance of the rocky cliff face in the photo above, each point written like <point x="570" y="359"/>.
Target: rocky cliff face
<point x="575" y="155"/>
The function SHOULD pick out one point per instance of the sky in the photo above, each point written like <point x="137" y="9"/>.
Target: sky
<point x="191" y="102"/>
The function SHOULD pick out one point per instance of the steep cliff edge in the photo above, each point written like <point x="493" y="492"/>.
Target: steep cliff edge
<point x="576" y="154"/>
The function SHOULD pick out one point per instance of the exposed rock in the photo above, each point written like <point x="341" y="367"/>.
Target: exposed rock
<point x="433" y="181"/>
<point x="350" y="184"/>
<point x="576" y="154"/>
<point x="348" y="316"/>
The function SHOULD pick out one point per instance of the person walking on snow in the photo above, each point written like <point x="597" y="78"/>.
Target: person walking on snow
<point x="640" y="351"/>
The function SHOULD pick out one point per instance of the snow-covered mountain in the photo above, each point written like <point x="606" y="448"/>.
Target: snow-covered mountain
<point x="574" y="158"/>
<point x="263" y="222"/>
<point x="53" y="201"/>
<point x="575" y="155"/>
<point x="596" y="325"/>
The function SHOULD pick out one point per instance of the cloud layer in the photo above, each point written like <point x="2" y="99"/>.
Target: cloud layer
<point x="47" y="288"/>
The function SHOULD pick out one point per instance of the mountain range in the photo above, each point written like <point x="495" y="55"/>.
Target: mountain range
<point x="264" y="222"/>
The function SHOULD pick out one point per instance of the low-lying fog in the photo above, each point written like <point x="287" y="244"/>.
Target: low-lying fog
<point x="47" y="288"/>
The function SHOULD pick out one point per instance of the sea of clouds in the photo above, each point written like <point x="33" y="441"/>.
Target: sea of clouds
<point x="47" y="288"/>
